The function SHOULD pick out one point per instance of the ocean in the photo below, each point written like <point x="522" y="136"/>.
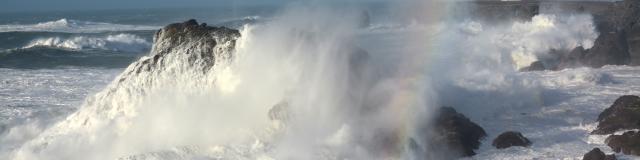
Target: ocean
<point x="72" y="84"/>
<point x="51" y="61"/>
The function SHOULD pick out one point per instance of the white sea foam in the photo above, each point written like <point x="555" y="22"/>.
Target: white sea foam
<point x="182" y="113"/>
<point x="117" y="42"/>
<point x="528" y="41"/>
<point x="32" y="100"/>
<point x="73" y="26"/>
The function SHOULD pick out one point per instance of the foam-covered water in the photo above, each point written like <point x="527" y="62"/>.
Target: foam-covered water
<point x="183" y="106"/>
<point x="32" y="100"/>
<point x="117" y="42"/>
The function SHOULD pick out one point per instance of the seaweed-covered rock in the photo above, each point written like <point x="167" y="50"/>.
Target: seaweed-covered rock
<point x="511" y="138"/>
<point x="597" y="154"/>
<point x="627" y="143"/>
<point x="623" y="114"/>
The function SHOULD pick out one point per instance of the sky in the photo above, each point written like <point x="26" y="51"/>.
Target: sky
<point x="57" y="5"/>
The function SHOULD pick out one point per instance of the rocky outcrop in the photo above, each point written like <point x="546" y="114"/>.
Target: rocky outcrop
<point x="509" y="139"/>
<point x="200" y="45"/>
<point x="616" y="21"/>
<point x="597" y="154"/>
<point x="182" y="56"/>
<point x="535" y="66"/>
<point x="627" y="143"/>
<point x="618" y="41"/>
<point x="496" y="11"/>
<point x="455" y="132"/>
<point x="280" y="112"/>
<point x="622" y="115"/>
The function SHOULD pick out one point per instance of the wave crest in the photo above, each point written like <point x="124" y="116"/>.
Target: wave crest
<point x="118" y="42"/>
<point x="73" y="26"/>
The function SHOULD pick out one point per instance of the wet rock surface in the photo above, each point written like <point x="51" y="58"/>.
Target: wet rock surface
<point x="200" y="45"/>
<point x="509" y="139"/>
<point x="456" y="132"/>
<point x="616" y="21"/>
<point x="597" y="154"/>
<point x="627" y="143"/>
<point x="622" y="115"/>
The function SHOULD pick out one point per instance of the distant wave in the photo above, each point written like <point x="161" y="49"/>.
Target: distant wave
<point x="239" y="22"/>
<point x="49" y="58"/>
<point x="73" y="26"/>
<point x="398" y="27"/>
<point x="118" y="42"/>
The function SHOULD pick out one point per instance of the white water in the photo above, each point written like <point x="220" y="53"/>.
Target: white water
<point x="528" y="42"/>
<point x="32" y="100"/>
<point x="180" y="112"/>
<point x="73" y="26"/>
<point x="117" y="42"/>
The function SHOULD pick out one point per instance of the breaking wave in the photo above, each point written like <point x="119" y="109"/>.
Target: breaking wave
<point x="73" y="26"/>
<point x="239" y="22"/>
<point x="290" y="89"/>
<point x="530" y="41"/>
<point x="118" y="42"/>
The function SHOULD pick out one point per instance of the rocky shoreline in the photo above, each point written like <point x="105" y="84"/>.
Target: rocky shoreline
<point x="617" y="23"/>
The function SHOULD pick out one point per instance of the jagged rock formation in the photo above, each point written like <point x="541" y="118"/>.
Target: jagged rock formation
<point x="615" y="45"/>
<point x="617" y="23"/>
<point x="509" y="139"/>
<point x="623" y="114"/>
<point x="597" y="154"/>
<point x="627" y="143"/>
<point x="455" y="132"/>
<point x="198" y="44"/>
<point x="496" y="11"/>
<point x="183" y="58"/>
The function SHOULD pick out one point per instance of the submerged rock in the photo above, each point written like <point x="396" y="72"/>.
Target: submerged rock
<point x="455" y="132"/>
<point x="627" y="143"/>
<point x="597" y="154"/>
<point x="511" y="138"/>
<point x="623" y="114"/>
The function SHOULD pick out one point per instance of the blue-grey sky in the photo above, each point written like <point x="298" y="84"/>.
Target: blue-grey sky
<point x="47" y="5"/>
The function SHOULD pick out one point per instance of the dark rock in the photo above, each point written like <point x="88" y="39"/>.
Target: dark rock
<point x="456" y="132"/>
<point x="572" y="59"/>
<point x="597" y="154"/>
<point x="191" y="22"/>
<point x="280" y="112"/>
<point x="629" y="22"/>
<point x="619" y="34"/>
<point x="623" y="114"/>
<point x="535" y="66"/>
<point x="496" y="11"/>
<point x="610" y="48"/>
<point x="197" y="44"/>
<point x="627" y="143"/>
<point x="616" y="21"/>
<point x="511" y="138"/>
